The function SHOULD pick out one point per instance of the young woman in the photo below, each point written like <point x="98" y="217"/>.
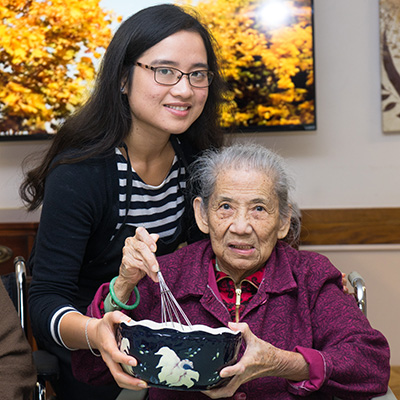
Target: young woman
<point x="118" y="163"/>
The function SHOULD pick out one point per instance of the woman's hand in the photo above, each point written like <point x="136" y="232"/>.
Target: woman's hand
<point x="259" y="359"/>
<point x="138" y="260"/>
<point x="344" y="283"/>
<point x="139" y="254"/>
<point x="101" y="334"/>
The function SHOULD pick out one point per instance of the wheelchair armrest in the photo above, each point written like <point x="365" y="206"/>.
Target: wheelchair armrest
<point x="360" y="290"/>
<point x="46" y="364"/>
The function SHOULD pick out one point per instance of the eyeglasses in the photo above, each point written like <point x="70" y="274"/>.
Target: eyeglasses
<point x="169" y="76"/>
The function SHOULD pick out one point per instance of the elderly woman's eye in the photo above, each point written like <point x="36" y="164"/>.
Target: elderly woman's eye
<point x="260" y="208"/>
<point x="225" y="206"/>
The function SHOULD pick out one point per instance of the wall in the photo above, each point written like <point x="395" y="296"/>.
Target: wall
<point x="347" y="162"/>
<point x="379" y="265"/>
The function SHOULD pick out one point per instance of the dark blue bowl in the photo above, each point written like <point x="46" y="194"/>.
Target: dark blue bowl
<point x="172" y="357"/>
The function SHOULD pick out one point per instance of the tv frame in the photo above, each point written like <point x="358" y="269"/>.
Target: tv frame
<point x="252" y="128"/>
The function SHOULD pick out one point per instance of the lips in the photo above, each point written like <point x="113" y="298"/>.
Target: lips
<point x="241" y="246"/>
<point x="177" y="108"/>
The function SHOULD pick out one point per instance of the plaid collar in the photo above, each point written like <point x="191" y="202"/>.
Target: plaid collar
<point x="227" y="289"/>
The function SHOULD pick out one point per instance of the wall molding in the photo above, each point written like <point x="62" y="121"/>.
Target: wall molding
<point x="350" y="226"/>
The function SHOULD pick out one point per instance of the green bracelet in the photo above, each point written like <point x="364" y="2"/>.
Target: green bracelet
<point x="120" y="303"/>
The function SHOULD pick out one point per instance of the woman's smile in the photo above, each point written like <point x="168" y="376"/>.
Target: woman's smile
<point x="178" y="110"/>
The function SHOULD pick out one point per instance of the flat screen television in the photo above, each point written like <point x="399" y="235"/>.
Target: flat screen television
<point x="266" y="49"/>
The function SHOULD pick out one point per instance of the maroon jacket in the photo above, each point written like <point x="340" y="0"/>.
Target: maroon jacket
<point x="300" y="305"/>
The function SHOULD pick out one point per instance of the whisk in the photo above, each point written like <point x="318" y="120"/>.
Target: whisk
<point x="170" y="308"/>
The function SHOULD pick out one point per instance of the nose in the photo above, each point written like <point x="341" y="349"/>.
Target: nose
<point x="241" y="224"/>
<point x="182" y="88"/>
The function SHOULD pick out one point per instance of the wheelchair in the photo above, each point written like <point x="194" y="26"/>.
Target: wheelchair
<point x="46" y="364"/>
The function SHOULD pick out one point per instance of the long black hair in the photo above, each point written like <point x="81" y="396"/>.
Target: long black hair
<point x="104" y="121"/>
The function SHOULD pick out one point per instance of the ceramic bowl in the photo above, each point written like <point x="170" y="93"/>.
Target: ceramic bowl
<point x="181" y="358"/>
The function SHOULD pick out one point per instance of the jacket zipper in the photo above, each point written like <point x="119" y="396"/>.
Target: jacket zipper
<point x="237" y="303"/>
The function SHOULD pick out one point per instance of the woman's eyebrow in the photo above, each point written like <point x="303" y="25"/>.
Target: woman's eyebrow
<point x="263" y="200"/>
<point x="175" y="64"/>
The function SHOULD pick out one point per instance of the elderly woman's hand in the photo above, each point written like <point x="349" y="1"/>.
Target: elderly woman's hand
<point x="101" y="333"/>
<point x="259" y="359"/>
<point x="344" y="283"/>
<point x="139" y="256"/>
<point x="138" y="260"/>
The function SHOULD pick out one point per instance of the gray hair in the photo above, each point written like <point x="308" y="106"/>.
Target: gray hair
<point x="205" y="171"/>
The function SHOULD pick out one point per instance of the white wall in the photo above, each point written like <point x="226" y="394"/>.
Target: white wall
<point x="347" y="162"/>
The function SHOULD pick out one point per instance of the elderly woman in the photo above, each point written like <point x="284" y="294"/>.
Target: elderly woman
<point x="302" y="335"/>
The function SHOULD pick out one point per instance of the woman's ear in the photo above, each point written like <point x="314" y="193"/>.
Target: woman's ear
<point x="200" y="215"/>
<point x="124" y="84"/>
<point x="285" y="226"/>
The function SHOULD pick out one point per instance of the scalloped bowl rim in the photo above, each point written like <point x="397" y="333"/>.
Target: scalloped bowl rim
<point x="158" y="326"/>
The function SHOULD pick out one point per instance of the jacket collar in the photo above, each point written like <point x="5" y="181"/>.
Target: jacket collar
<point x="278" y="274"/>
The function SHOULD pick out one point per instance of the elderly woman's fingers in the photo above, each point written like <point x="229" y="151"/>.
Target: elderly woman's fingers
<point x="248" y="337"/>
<point x="138" y="255"/>
<point x="226" y="391"/>
<point x="150" y="239"/>
<point x="259" y="359"/>
<point x="237" y="371"/>
<point x="344" y="283"/>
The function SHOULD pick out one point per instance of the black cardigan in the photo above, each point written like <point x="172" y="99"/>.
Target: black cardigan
<point x="72" y="255"/>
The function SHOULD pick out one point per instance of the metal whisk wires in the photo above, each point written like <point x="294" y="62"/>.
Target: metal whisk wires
<point x="170" y="309"/>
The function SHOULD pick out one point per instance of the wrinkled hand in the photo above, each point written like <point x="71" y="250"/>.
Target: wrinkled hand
<point x="139" y="256"/>
<point x="101" y="334"/>
<point x="344" y="283"/>
<point x="138" y="260"/>
<point x="258" y="360"/>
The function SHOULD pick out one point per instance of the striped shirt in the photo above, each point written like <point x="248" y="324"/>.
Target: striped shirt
<point x="156" y="208"/>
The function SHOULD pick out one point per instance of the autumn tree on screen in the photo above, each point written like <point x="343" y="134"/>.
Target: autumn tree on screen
<point x="269" y="68"/>
<point x="48" y="59"/>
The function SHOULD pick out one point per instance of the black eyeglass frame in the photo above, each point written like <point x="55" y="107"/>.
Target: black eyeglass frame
<point x="210" y="74"/>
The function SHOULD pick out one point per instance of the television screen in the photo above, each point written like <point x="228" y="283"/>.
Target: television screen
<point x="266" y="50"/>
